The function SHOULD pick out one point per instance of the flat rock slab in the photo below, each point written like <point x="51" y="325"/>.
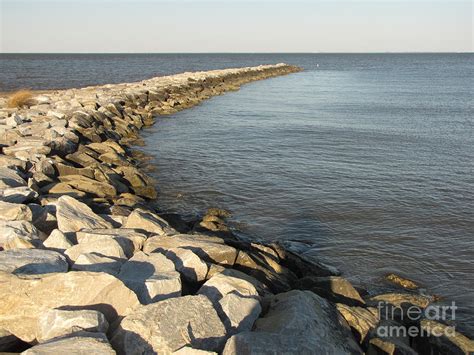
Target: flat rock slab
<point x="85" y="344"/>
<point x="14" y="212"/>
<point x="24" y="300"/>
<point x="17" y="229"/>
<point x="148" y="222"/>
<point x="210" y="249"/>
<point x="73" y="216"/>
<point x="169" y="325"/>
<point x="10" y="178"/>
<point x="56" y="323"/>
<point x="32" y="261"/>
<point x="133" y="235"/>
<point x="297" y="322"/>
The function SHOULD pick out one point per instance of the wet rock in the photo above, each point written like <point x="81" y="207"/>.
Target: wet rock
<point x="14" y="212"/>
<point x="80" y="344"/>
<point x="148" y="222"/>
<point x="58" y="323"/>
<point x="297" y="322"/>
<point x="188" y="264"/>
<point x="361" y="320"/>
<point x="334" y="288"/>
<point x="152" y="277"/>
<point x="10" y="178"/>
<point x="24" y="300"/>
<point x="210" y="249"/>
<point x="18" y="194"/>
<point x="169" y="325"/>
<point x="378" y="346"/>
<point x="73" y="216"/>
<point x="32" y="262"/>
<point x="438" y="338"/>
<point x="96" y="262"/>
<point x="397" y="305"/>
<point x="57" y="241"/>
<point x="403" y="282"/>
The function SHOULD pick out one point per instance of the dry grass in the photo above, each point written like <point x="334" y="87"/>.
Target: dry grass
<point x="20" y="98"/>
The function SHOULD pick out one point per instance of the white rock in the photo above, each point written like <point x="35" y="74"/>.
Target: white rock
<point x="32" y="261"/>
<point x="57" y="241"/>
<point x="57" y="323"/>
<point x="14" y="120"/>
<point x="105" y="247"/>
<point x="10" y="230"/>
<point x="149" y="222"/>
<point x="188" y="264"/>
<point x="97" y="263"/>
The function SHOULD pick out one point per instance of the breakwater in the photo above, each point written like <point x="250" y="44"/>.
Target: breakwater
<point x="88" y="264"/>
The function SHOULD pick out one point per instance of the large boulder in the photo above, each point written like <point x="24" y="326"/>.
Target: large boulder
<point x="236" y="301"/>
<point x="296" y="322"/>
<point x="14" y="212"/>
<point x="56" y="323"/>
<point x="210" y="249"/>
<point x="148" y="222"/>
<point x="32" y="261"/>
<point x="57" y="240"/>
<point x="152" y="277"/>
<point x="20" y="194"/>
<point x="169" y="325"/>
<point x="73" y="216"/>
<point x="91" y="186"/>
<point x="79" y="344"/>
<point x="97" y="263"/>
<point x="25" y="299"/>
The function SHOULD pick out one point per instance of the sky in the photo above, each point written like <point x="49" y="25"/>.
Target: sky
<point x="164" y="26"/>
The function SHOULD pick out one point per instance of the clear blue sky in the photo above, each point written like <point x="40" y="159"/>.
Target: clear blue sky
<point x="236" y="26"/>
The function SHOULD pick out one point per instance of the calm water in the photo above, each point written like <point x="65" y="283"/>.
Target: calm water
<point x="364" y="161"/>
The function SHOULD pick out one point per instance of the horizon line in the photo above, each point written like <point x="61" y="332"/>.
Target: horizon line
<point x="342" y="52"/>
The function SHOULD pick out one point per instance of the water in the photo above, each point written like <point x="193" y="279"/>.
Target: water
<point x="364" y="161"/>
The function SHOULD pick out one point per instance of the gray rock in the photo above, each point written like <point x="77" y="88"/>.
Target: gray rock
<point x="187" y="350"/>
<point x="152" y="277"/>
<point x="382" y="346"/>
<point x="169" y="325"/>
<point x="236" y="301"/>
<point x="297" y="322"/>
<point x="73" y="216"/>
<point x="20" y="194"/>
<point x="149" y="222"/>
<point x="14" y="212"/>
<point x="210" y="249"/>
<point x="80" y="344"/>
<point x="32" y="262"/>
<point x="58" y="323"/>
<point x="10" y="178"/>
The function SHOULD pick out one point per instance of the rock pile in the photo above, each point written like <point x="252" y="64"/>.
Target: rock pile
<point x="88" y="266"/>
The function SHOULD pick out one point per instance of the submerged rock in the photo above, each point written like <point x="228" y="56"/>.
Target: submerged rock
<point x="401" y="281"/>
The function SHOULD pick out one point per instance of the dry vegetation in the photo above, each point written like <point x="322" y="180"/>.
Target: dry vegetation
<point x="20" y="98"/>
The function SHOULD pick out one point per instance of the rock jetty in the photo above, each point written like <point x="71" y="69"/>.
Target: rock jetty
<point x="87" y="265"/>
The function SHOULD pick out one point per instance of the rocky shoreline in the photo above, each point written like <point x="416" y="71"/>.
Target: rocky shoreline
<point x="87" y="265"/>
